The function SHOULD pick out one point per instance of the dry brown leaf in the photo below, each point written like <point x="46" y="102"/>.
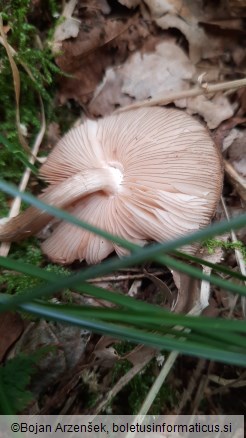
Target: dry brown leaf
<point x="69" y="343"/>
<point x="68" y="26"/>
<point x="108" y="94"/>
<point x="100" y="5"/>
<point x="11" y="327"/>
<point x="213" y="111"/>
<point x="188" y="292"/>
<point x="101" y="42"/>
<point x="235" y="165"/>
<point x="139" y="354"/>
<point x="106" y="357"/>
<point x="161" y="289"/>
<point x="172" y="70"/>
<point x="168" y="64"/>
<point x="237" y="7"/>
<point x="186" y="15"/>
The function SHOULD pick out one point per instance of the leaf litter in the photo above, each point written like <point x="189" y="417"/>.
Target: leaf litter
<point x="118" y="53"/>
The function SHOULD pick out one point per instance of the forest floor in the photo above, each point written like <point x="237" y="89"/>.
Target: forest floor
<point x="87" y="59"/>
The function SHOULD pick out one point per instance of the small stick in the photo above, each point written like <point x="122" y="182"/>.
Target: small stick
<point x="203" y="89"/>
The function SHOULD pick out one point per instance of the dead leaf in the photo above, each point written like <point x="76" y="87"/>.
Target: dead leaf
<point x="168" y="64"/>
<point x="101" y="41"/>
<point x="105" y="357"/>
<point x="172" y="70"/>
<point x="69" y="343"/>
<point x="140" y="354"/>
<point x="186" y="15"/>
<point x="11" y="327"/>
<point x="107" y="96"/>
<point x="68" y="26"/>
<point x="161" y="287"/>
<point x="53" y="134"/>
<point x="171" y="67"/>
<point x="237" y="7"/>
<point x="213" y="111"/>
<point x="100" y="5"/>
<point x="188" y="292"/>
<point x="223" y="131"/>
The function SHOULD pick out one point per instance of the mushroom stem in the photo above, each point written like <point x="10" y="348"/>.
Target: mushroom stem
<point x="32" y="220"/>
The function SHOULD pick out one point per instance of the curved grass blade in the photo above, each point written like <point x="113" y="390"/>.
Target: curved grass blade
<point x="109" y="266"/>
<point x="139" y="336"/>
<point x="149" y="251"/>
<point x="220" y="268"/>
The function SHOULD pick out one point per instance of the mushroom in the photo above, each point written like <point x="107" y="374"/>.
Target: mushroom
<point x="150" y="174"/>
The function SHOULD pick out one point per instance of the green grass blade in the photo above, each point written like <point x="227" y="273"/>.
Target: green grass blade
<point x="112" y="265"/>
<point x="83" y="287"/>
<point x="149" y="251"/>
<point x="196" y="273"/>
<point x="137" y="335"/>
<point x="215" y="267"/>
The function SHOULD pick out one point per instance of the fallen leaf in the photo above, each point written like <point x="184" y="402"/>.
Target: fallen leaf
<point x="140" y="354"/>
<point x="102" y="40"/>
<point x="237" y="7"/>
<point x="105" y="357"/>
<point x="68" y="26"/>
<point x="168" y="64"/>
<point x="172" y="70"/>
<point x="11" y="327"/>
<point x="188" y="292"/>
<point x="69" y="343"/>
<point x="186" y="15"/>
<point x="213" y="111"/>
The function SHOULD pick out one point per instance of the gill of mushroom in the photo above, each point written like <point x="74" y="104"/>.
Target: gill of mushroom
<point x="149" y="174"/>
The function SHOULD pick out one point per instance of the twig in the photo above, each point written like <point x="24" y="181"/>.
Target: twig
<point x="122" y="382"/>
<point x="238" y="181"/>
<point x="204" y="89"/>
<point x="122" y="277"/>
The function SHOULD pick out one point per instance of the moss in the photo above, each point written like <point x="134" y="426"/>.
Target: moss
<point x="29" y="251"/>
<point x="23" y="36"/>
<point x="130" y="399"/>
<point x="212" y="244"/>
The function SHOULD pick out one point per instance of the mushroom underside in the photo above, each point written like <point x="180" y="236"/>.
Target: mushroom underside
<point x="146" y="175"/>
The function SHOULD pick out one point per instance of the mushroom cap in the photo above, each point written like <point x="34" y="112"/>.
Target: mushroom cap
<point x="167" y="181"/>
